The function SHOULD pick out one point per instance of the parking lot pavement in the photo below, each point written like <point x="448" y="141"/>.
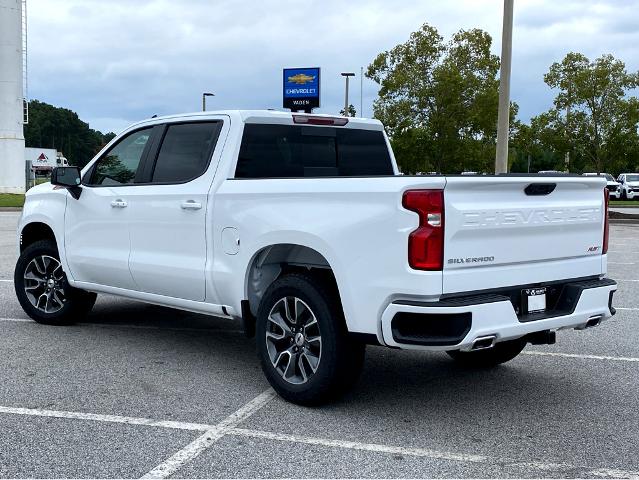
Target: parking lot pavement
<point x="136" y="389"/>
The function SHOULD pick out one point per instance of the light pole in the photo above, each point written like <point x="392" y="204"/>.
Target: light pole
<point x="361" y="91"/>
<point x="204" y="95"/>
<point x="346" y="75"/>
<point x="503" y="113"/>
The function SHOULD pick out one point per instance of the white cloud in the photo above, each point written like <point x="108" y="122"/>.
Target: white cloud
<point x="119" y="61"/>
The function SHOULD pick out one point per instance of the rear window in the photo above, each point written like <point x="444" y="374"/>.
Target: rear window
<point x="302" y="151"/>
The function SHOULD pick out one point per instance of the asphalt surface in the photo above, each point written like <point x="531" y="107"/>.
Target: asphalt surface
<point x="135" y="389"/>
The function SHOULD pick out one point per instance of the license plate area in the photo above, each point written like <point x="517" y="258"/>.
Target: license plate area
<point x="533" y="300"/>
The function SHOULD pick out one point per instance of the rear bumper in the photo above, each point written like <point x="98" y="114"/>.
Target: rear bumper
<point x="455" y="324"/>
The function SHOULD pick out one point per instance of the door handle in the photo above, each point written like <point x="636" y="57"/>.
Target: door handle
<point x="191" y="205"/>
<point x="118" y="203"/>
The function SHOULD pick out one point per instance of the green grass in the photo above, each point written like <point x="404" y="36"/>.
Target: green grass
<point x="11" y="200"/>
<point x="624" y="203"/>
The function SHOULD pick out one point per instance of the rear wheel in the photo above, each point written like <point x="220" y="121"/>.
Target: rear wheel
<point x="302" y="342"/>
<point x="502" y="352"/>
<point x="43" y="290"/>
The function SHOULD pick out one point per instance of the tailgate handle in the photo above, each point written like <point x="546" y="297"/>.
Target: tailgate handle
<point x="540" y="188"/>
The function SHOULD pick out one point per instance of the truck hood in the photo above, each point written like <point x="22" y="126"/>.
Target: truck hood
<point x="38" y="189"/>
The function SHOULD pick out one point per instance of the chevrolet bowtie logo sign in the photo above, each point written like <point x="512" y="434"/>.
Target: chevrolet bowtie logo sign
<point x="301" y="79"/>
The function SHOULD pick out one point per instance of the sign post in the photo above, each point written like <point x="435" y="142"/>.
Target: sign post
<point x="301" y="89"/>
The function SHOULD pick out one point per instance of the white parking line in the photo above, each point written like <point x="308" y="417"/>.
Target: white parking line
<point x="212" y="433"/>
<point x="625" y="280"/>
<point x="36" y="412"/>
<point x="577" y="355"/>
<point x="612" y="473"/>
<point x="621" y="263"/>
<point x="627" y="309"/>
<point x="370" y="447"/>
<point x="134" y="327"/>
<point x="197" y="446"/>
<point x="6" y="280"/>
<point x="434" y="454"/>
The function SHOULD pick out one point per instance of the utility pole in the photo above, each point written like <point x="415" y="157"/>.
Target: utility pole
<point x="204" y="95"/>
<point x="503" y="114"/>
<point x="346" y="75"/>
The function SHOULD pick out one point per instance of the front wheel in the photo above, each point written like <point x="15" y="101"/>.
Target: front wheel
<point x="302" y="342"/>
<point x="502" y="352"/>
<point x="42" y="288"/>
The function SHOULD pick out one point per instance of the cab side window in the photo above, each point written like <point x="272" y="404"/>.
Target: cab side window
<point x="186" y="151"/>
<point x="120" y="164"/>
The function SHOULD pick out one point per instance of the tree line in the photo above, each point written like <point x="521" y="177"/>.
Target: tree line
<point x="62" y="129"/>
<point x="438" y="100"/>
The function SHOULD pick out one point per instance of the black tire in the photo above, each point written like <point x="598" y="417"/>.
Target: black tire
<point x="502" y="352"/>
<point x="340" y="359"/>
<point x="76" y="303"/>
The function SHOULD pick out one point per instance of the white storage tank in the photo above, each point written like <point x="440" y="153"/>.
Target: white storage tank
<point x="12" y="168"/>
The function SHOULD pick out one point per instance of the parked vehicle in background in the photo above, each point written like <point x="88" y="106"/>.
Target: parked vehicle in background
<point x="629" y="185"/>
<point x="43" y="160"/>
<point x="299" y="226"/>
<point x="614" y="187"/>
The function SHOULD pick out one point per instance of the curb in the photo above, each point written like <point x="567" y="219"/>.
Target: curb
<point x="10" y="209"/>
<point x="618" y="218"/>
<point x="624" y="221"/>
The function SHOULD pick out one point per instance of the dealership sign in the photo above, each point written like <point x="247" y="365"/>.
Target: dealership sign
<point x="301" y="89"/>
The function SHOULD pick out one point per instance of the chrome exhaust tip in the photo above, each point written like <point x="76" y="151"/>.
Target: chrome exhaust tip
<point x="484" y="342"/>
<point x="593" y="321"/>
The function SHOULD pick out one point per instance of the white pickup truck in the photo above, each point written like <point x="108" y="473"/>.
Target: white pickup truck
<point x="300" y="226"/>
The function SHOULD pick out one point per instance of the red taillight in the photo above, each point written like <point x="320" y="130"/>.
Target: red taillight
<point x="604" y="250"/>
<point x="426" y="243"/>
<point x="309" y="120"/>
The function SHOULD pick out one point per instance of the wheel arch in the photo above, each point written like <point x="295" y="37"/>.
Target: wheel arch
<point x="35" y="231"/>
<point x="272" y="261"/>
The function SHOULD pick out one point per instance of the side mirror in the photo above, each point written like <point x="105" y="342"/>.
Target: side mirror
<point x="69" y="178"/>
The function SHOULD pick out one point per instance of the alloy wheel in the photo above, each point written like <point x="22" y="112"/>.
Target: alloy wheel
<point x="44" y="284"/>
<point x="293" y="340"/>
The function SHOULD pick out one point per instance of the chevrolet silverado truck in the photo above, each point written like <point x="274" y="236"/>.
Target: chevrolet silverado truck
<point x="629" y="185"/>
<point x="613" y="186"/>
<point x="300" y="227"/>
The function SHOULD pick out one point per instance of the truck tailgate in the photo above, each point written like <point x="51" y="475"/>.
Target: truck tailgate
<point x="501" y="232"/>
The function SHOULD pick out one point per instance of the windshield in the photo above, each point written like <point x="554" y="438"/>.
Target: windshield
<point x="609" y="177"/>
<point x="632" y="178"/>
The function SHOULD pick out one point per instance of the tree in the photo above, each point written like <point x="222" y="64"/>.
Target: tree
<point x="62" y="129"/>
<point x="351" y="111"/>
<point x="438" y="100"/>
<point x="593" y="118"/>
<point x="537" y="146"/>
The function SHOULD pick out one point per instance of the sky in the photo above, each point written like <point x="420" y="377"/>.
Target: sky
<point x="116" y="62"/>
